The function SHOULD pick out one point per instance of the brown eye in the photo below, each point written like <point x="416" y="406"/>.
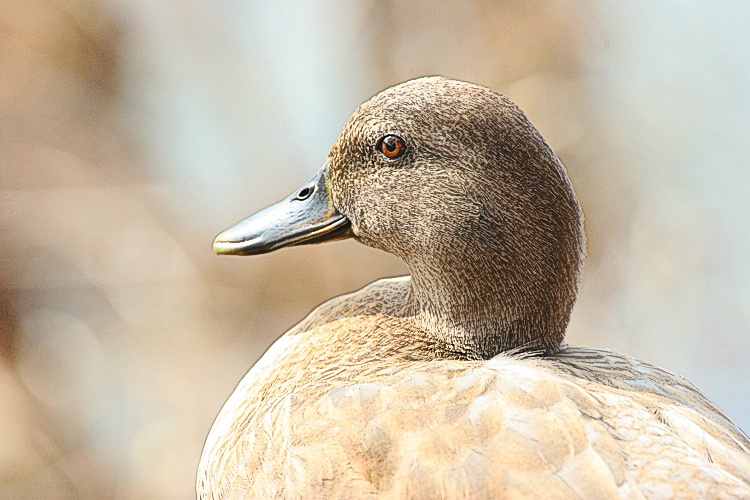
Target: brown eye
<point x="391" y="146"/>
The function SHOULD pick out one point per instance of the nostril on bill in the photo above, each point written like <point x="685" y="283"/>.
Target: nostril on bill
<point x="305" y="192"/>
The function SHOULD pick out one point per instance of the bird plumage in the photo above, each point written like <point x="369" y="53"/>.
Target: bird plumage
<point x="454" y="382"/>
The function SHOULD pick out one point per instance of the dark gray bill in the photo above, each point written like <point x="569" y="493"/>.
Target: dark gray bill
<point x="307" y="216"/>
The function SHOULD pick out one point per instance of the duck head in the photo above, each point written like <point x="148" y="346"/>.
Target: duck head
<point x="452" y="178"/>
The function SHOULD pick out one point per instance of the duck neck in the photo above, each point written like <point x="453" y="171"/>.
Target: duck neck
<point x="483" y="304"/>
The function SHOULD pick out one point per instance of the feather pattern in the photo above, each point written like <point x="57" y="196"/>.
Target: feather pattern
<point x="455" y="382"/>
<point x="348" y="405"/>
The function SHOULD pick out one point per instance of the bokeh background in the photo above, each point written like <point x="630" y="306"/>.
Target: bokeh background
<point x="133" y="131"/>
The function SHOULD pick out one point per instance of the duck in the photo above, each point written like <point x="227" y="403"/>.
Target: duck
<point x="454" y="381"/>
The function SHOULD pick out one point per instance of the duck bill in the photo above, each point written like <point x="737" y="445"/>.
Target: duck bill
<point x="307" y="216"/>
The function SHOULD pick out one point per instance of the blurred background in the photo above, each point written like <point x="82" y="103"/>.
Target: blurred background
<point x="133" y="131"/>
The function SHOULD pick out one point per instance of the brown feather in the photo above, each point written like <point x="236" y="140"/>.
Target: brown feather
<point x="454" y="382"/>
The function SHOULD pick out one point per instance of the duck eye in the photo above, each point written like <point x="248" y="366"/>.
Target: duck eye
<point x="391" y="146"/>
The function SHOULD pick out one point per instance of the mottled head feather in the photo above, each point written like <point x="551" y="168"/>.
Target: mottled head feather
<point x="479" y="208"/>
